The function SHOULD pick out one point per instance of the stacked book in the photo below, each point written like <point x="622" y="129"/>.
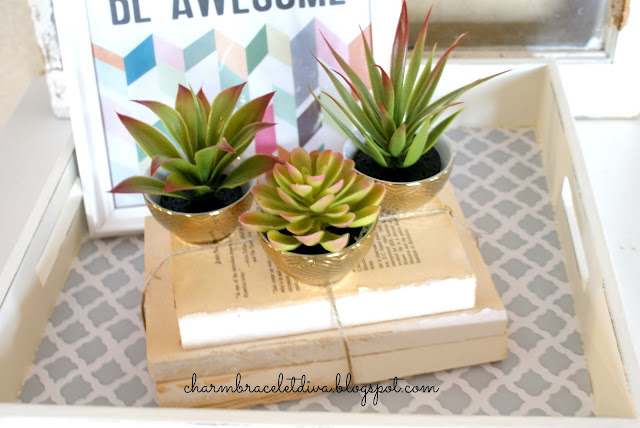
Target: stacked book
<point x="226" y="328"/>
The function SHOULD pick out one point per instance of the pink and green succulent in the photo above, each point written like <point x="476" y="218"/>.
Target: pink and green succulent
<point x="311" y="200"/>
<point x="398" y="122"/>
<point x="208" y="137"/>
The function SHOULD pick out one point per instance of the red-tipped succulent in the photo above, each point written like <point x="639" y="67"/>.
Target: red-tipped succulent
<point x="209" y="137"/>
<point x="311" y="200"/>
<point x="398" y="122"/>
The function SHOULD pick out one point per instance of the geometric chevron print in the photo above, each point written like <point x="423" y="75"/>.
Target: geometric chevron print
<point x="93" y="348"/>
<point x="271" y="51"/>
<point x="287" y="62"/>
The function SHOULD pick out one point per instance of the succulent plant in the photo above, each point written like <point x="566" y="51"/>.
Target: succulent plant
<point x="398" y="122"/>
<point x="310" y="195"/>
<point x="209" y="136"/>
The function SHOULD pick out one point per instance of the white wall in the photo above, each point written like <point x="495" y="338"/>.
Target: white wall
<point x="20" y="57"/>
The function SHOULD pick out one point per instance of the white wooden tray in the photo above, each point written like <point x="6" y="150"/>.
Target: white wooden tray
<point x="530" y="96"/>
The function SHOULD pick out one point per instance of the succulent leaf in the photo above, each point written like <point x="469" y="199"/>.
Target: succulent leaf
<point x="357" y="192"/>
<point x="388" y="92"/>
<point x="322" y="204"/>
<point x="174" y="123"/>
<point x="201" y="112"/>
<point x="438" y="130"/>
<point x="293" y="217"/>
<point x="311" y="193"/>
<point x="337" y="210"/>
<point x="282" y="242"/>
<point x="414" y="63"/>
<point x="187" y="109"/>
<point x="398" y="141"/>
<point x="150" y="140"/>
<point x="295" y="174"/>
<point x="343" y="221"/>
<point x="248" y="170"/>
<point x="176" y="182"/>
<point x="300" y="157"/>
<point x="138" y="184"/>
<point x="204" y="102"/>
<point x="333" y="189"/>
<point x="206" y="159"/>
<point x="261" y="222"/>
<point x="333" y="243"/>
<point x="398" y="59"/>
<point x="374" y="75"/>
<point x="289" y="200"/>
<point x="372" y="199"/>
<point x="417" y="146"/>
<point x="349" y="177"/>
<point x="251" y="112"/>
<point x="365" y="216"/>
<point x="362" y="90"/>
<point x="302" y="190"/>
<point x="242" y="139"/>
<point x="156" y="163"/>
<point x="388" y="124"/>
<point x="301" y="227"/>
<point x="220" y="112"/>
<point x="176" y="166"/>
<point x="432" y="83"/>
<point x="311" y="239"/>
<point x="315" y="181"/>
<point x="422" y="80"/>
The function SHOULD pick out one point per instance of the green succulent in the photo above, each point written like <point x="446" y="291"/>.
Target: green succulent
<point x="209" y="137"/>
<point x="398" y="122"/>
<point x="309" y="194"/>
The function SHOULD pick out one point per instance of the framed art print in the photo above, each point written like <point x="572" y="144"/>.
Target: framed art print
<point x="116" y="51"/>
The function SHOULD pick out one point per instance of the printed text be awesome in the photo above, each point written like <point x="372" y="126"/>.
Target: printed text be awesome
<point x="126" y="11"/>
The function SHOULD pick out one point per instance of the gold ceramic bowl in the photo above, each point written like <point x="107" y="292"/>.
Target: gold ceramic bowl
<point x="321" y="269"/>
<point x="412" y="195"/>
<point x="201" y="228"/>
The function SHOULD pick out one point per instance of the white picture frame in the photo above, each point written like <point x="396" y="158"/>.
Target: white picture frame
<point x="73" y="17"/>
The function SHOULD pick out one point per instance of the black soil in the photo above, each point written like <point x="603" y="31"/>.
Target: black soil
<point x="354" y="234"/>
<point x="202" y="204"/>
<point x="427" y="166"/>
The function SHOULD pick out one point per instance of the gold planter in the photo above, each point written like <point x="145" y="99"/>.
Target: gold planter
<point x="321" y="269"/>
<point x="201" y="228"/>
<point x="412" y="195"/>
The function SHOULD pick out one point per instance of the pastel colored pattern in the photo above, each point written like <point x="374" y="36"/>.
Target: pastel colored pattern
<point x="266" y="139"/>
<point x="140" y="60"/>
<point x="153" y="68"/>
<point x="168" y="53"/>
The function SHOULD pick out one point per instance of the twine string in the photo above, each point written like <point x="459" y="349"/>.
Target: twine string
<point x="193" y="250"/>
<point x="330" y="295"/>
<point x="445" y="210"/>
<point x="345" y="342"/>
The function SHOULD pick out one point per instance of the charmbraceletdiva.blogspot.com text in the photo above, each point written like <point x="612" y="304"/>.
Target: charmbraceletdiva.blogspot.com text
<point x="302" y="385"/>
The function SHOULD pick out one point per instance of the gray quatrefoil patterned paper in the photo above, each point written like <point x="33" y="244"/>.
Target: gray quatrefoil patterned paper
<point x="93" y="349"/>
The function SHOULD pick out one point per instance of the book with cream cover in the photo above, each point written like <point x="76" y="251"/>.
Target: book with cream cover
<point x="378" y="351"/>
